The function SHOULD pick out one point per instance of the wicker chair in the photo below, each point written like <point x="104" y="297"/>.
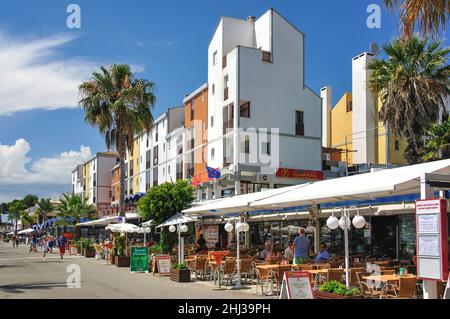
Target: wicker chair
<point x="263" y="278"/>
<point x="354" y="281"/>
<point x="199" y="267"/>
<point x="364" y="287"/>
<point x="335" y="274"/>
<point x="406" y="288"/>
<point x="228" y="270"/>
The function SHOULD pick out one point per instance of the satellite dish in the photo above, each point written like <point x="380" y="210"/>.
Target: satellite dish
<point x="374" y="48"/>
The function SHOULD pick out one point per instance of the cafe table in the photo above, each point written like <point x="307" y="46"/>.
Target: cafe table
<point x="315" y="274"/>
<point x="382" y="279"/>
<point x="271" y="268"/>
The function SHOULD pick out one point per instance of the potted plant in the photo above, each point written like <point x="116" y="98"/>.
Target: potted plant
<point x="120" y="260"/>
<point x="86" y="248"/>
<point x="180" y="273"/>
<point x="336" y="290"/>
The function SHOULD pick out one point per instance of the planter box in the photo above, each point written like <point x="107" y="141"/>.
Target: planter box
<point x="122" y="261"/>
<point x="180" y="275"/>
<point x="89" y="253"/>
<point x="327" y="295"/>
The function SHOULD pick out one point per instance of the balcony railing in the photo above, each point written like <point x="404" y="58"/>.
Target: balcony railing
<point x="225" y="94"/>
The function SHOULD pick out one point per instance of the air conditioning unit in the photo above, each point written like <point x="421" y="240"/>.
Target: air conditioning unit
<point x="326" y="157"/>
<point x="264" y="178"/>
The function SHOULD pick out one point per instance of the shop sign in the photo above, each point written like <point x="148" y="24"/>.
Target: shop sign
<point x="432" y="239"/>
<point x="139" y="259"/>
<point x="299" y="174"/>
<point x="211" y="235"/>
<point x="296" y="285"/>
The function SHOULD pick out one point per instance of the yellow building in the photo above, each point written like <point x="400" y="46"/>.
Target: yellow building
<point x="342" y="135"/>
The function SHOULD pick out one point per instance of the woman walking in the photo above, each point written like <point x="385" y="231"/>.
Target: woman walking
<point x="44" y="245"/>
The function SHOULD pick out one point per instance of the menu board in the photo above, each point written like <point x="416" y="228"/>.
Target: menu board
<point x="164" y="264"/>
<point x="296" y="285"/>
<point x="428" y="223"/>
<point x="429" y="245"/>
<point x="432" y="239"/>
<point x="211" y="235"/>
<point x="139" y="259"/>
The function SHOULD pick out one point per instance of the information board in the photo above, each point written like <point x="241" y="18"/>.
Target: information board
<point x="296" y="285"/>
<point x="211" y="235"/>
<point x="139" y="259"/>
<point x="432" y="239"/>
<point x="164" y="264"/>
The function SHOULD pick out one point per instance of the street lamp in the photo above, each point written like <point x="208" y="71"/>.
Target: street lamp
<point x="240" y="226"/>
<point x="344" y="223"/>
<point x="181" y="229"/>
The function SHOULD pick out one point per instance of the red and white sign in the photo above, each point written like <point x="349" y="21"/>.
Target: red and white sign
<point x="299" y="174"/>
<point x="164" y="264"/>
<point x="432" y="239"/>
<point x="296" y="285"/>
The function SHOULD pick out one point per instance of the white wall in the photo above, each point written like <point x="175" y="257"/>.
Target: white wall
<point x="326" y="95"/>
<point x="364" y="111"/>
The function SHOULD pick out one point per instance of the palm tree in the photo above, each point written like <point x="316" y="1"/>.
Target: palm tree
<point x="120" y="106"/>
<point x="438" y="144"/>
<point x="44" y="207"/>
<point x="15" y="212"/>
<point x="26" y="219"/>
<point x="411" y="83"/>
<point x="73" y="207"/>
<point x="430" y="15"/>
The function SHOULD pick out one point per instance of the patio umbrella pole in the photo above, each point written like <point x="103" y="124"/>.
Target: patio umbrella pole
<point x="347" y="281"/>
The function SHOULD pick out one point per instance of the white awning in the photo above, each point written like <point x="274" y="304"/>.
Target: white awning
<point x="122" y="228"/>
<point x="237" y="204"/>
<point x="102" y="221"/>
<point x="26" y="231"/>
<point x="148" y="223"/>
<point x="387" y="182"/>
<point x="176" y="220"/>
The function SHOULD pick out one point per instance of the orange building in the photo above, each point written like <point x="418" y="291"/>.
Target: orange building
<point x="196" y="124"/>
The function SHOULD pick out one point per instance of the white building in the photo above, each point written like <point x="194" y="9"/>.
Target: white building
<point x="258" y="64"/>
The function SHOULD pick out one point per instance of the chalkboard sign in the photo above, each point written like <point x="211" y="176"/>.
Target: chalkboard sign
<point x="164" y="264"/>
<point x="139" y="259"/>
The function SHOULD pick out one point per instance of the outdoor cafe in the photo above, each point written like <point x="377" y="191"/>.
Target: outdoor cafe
<point x="366" y="221"/>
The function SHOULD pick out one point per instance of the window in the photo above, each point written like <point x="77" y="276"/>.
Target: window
<point x="164" y="172"/>
<point x="147" y="180"/>
<point x="213" y="153"/>
<point x="397" y="145"/>
<point x="131" y="168"/>
<point x="215" y="58"/>
<point x="168" y="144"/>
<point x="164" y="147"/>
<point x="299" y="123"/>
<point x="147" y="141"/>
<point x="225" y="90"/>
<point x="224" y="61"/>
<point x="93" y="199"/>
<point x="168" y="169"/>
<point x="266" y="56"/>
<point x="147" y="159"/>
<point x="266" y="148"/>
<point x="110" y="193"/>
<point x="156" y="135"/>
<point x="245" y="110"/>
<point x="247" y="145"/>
<point x="213" y="90"/>
<point x="155" y="177"/>
<point x="95" y="179"/>
<point x="192" y="110"/>
<point x="212" y="121"/>
<point x="141" y="159"/>
<point x="349" y="106"/>
<point x="155" y="155"/>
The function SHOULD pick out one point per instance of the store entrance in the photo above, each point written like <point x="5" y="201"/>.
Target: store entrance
<point x="384" y="236"/>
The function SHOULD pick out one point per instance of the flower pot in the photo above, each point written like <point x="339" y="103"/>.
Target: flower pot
<point x="122" y="261"/>
<point x="89" y="253"/>
<point x="180" y="275"/>
<point x="327" y="295"/>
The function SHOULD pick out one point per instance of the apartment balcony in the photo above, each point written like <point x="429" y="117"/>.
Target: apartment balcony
<point x="225" y="94"/>
<point x="227" y="125"/>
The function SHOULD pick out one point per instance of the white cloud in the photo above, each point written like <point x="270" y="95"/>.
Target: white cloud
<point x="45" y="176"/>
<point x="34" y="77"/>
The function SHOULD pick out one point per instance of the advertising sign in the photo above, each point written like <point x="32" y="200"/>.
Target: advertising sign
<point x="300" y="174"/>
<point x="296" y="285"/>
<point x="164" y="264"/>
<point x="139" y="259"/>
<point x="211" y="235"/>
<point x="432" y="239"/>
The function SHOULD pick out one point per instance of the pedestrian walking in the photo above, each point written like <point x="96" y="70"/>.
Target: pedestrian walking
<point x="50" y="245"/>
<point x="62" y="245"/>
<point x="44" y="245"/>
<point x="14" y="240"/>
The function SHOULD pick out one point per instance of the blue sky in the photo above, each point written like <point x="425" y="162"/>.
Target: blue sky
<point x="166" y="41"/>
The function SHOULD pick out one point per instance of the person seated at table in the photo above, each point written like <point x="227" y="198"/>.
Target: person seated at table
<point x="266" y="251"/>
<point x="201" y="244"/>
<point x="323" y="256"/>
<point x="289" y="251"/>
<point x="217" y="247"/>
<point x="275" y="254"/>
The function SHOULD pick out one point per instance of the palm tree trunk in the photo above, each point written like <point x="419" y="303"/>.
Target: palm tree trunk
<point x="122" y="155"/>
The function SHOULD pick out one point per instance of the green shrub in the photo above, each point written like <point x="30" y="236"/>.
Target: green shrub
<point x="180" y="266"/>
<point x="84" y="243"/>
<point x="338" y="288"/>
<point x="156" y="249"/>
<point x="119" y="245"/>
